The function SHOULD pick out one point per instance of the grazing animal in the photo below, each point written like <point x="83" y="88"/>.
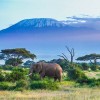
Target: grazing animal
<point x="47" y="69"/>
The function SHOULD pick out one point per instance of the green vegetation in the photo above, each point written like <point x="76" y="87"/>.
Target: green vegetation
<point x="79" y="79"/>
<point x="17" y="80"/>
<point x="44" y="84"/>
<point x="76" y="84"/>
<point x="85" y="66"/>
<point x="15" y="56"/>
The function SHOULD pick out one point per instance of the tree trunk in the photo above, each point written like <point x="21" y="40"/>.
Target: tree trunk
<point x="95" y="61"/>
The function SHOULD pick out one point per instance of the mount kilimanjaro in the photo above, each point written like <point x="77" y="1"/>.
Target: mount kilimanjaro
<point x="47" y="36"/>
<point x="45" y="24"/>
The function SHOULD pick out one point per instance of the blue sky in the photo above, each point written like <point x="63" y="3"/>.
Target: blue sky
<point x="12" y="11"/>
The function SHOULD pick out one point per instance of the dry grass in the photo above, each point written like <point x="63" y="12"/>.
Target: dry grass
<point x="65" y="94"/>
<point x="93" y="74"/>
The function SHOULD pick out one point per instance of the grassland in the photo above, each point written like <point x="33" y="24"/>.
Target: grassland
<point x="67" y="91"/>
<point x="65" y="94"/>
<point x="93" y="74"/>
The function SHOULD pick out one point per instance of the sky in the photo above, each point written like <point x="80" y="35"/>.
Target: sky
<point x="12" y="11"/>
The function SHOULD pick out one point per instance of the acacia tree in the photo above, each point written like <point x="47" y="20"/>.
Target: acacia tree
<point x="90" y="57"/>
<point x="28" y="63"/>
<point x="15" y="56"/>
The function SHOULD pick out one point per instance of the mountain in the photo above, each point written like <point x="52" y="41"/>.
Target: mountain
<point x="47" y="37"/>
<point x="31" y="25"/>
<point x="40" y="22"/>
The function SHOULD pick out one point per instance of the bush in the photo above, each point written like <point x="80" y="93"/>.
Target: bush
<point x="94" y="67"/>
<point x="99" y="67"/>
<point x="75" y="74"/>
<point x="85" y="66"/>
<point x="44" y="84"/>
<point x="82" y="80"/>
<point x="4" y="86"/>
<point x="35" y="77"/>
<point x="2" y="78"/>
<point x="8" y="77"/>
<point x="17" y="74"/>
<point x="21" y="85"/>
<point x="7" y="67"/>
<point x="93" y="82"/>
<point x="89" y="81"/>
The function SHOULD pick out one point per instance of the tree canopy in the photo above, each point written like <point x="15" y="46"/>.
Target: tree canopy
<point x="16" y="55"/>
<point x="90" y="57"/>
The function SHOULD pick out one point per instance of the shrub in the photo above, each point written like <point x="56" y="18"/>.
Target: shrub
<point x="19" y="69"/>
<point x="17" y="74"/>
<point x="21" y="85"/>
<point x="44" y="84"/>
<point x="98" y="67"/>
<point x="75" y="74"/>
<point x="89" y="81"/>
<point x="2" y="78"/>
<point x="85" y="66"/>
<point x="93" y="82"/>
<point x="8" y="77"/>
<point x="35" y="77"/>
<point x="82" y="80"/>
<point x="7" y="67"/>
<point x="4" y="86"/>
<point x="94" y="67"/>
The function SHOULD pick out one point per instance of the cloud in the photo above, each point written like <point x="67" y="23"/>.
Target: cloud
<point x="87" y="19"/>
<point x="86" y="22"/>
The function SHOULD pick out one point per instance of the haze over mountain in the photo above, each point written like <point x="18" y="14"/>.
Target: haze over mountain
<point x="47" y="37"/>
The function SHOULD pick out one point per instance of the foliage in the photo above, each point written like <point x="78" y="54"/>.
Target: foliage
<point x="94" y="82"/>
<point x="85" y="66"/>
<point x="8" y="77"/>
<point x="4" y="86"/>
<point x="2" y="78"/>
<point x="99" y="67"/>
<point x="15" y="56"/>
<point x="94" y="67"/>
<point x="35" y="77"/>
<point x="28" y="63"/>
<point x="75" y="74"/>
<point x="17" y="74"/>
<point x="44" y="84"/>
<point x="90" y="57"/>
<point x="6" y="67"/>
<point x="13" y="61"/>
<point x="21" y="85"/>
<point x="61" y="62"/>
